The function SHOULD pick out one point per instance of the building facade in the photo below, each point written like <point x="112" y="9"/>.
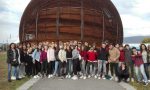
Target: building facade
<point x="65" y="20"/>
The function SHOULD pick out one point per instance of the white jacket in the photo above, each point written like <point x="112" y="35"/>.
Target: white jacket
<point x="62" y="55"/>
<point x="51" y="55"/>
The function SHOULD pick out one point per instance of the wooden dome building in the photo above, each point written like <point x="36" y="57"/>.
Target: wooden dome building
<point x="65" y="20"/>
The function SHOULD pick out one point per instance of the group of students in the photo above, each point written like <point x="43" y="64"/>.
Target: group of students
<point x="76" y="60"/>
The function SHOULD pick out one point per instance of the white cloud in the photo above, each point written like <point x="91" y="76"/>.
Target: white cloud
<point x="134" y="15"/>
<point x="10" y="15"/>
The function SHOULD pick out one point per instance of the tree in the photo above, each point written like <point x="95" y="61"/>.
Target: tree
<point x="146" y="40"/>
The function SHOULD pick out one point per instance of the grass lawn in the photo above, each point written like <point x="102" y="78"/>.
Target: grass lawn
<point x="4" y="85"/>
<point x="140" y="86"/>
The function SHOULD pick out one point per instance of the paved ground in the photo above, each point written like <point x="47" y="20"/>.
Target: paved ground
<point x="67" y="84"/>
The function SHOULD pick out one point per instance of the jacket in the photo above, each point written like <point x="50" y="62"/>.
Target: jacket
<point x="103" y="54"/>
<point x="114" y="54"/>
<point x="51" y="55"/>
<point x="11" y="57"/>
<point x="62" y="55"/>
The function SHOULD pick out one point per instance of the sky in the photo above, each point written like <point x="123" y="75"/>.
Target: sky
<point x="135" y="15"/>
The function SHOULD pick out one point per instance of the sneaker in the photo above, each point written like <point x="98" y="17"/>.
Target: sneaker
<point x="13" y="78"/>
<point x="69" y="76"/>
<point x="75" y="77"/>
<point x="49" y="76"/>
<point x="116" y="79"/>
<point x="20" y="77"/>
<point x="35" y="76"/>
<point x="146" y="83"/>
<point x="103" y="77"/>
<point x="99" y="77"/>
<point x="111" y="78"/>
<point x="84" y="77"/>
<point x="81" y="77"/>
<point x="89" y="76"/>
<point x="132" y="79"/>
<point x="95" y="76"/>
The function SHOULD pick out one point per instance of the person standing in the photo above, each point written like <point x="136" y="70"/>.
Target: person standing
<point x="69" y="62"/>
<point x="63" y="60"/>
<point x="148" y="59"/>
<point x="12" y="61"/>
<point x="91" y="63"/>
<point x="51" y="60"/>
<point x="122" y="55"/>
<point x="143" y="50"/>
<point x="102" y="61"/>
<point x="129" y="61"/>
<point x="83" y="54"/>
<point x="75" y="57"/>
<point x="113" y="59"/>
<point x="139" y="66"/>
<point x="43" y="61"/>
<point x="36" y="61"/>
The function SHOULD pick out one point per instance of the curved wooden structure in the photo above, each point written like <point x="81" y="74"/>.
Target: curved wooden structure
<point x="64" y="20"/>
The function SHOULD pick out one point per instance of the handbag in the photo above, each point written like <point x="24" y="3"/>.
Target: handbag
<point x="15" y="63"/>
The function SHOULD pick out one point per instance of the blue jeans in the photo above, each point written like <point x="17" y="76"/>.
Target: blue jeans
<point x="56" y="67"/>
<point x="101" y="63"/>
<point x="9" y="71"/>
<point x="142" y="70"/>
<point x="15" y="71"/>
<point x="83" y="67"/>
<point x="69" y="66"/>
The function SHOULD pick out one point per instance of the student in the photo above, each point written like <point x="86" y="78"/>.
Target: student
<point x="91" y="63"/>
<point x="43" y="61"/>
<point x="144" y="53"/>
<point x="139" y="65"/>
<point x="129" y="61"/>
<point x="63" y="60"/>
<point x="36" y="61"/>
<point x="51" y="60"/>
<point x="29" y="63"/>
<point x="113" y="59"/>
<point x="102" y="61"/>
<point x="69" y="61"/>
<point x="12" y="61"/>
<point x="83" y="54"/>
<point x="75" y="57"/>
<point x="123" y="72"/>
<point x="148" y="58"/>
<point x="22" y="62"/>
<point x="122" y="55"/>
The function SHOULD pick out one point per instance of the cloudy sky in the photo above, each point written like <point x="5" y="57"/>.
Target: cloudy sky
<point x="135" y="15"/>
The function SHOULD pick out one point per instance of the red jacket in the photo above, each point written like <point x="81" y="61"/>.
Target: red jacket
<point x="83" y="55"/>
<point x="43" y="56"/>
<point x="138" y="61"/>
<point x="92" y="56"/>
<point x="122" y="56"/>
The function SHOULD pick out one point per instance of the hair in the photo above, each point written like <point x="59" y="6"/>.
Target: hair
<point x="133" y="47"/>
<point x="141" y="47"/>
<point x="12" y="44"/>
<point x="113" y="44"/>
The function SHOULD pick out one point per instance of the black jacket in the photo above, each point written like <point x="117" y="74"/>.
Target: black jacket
<point x="123" y="72"/>
<point x="69" y="53"/>
<point x="103" y="54"/>
<point x="10" y="56"/>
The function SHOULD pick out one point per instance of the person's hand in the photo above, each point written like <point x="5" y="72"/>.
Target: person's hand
<point x="14" y="60"/>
